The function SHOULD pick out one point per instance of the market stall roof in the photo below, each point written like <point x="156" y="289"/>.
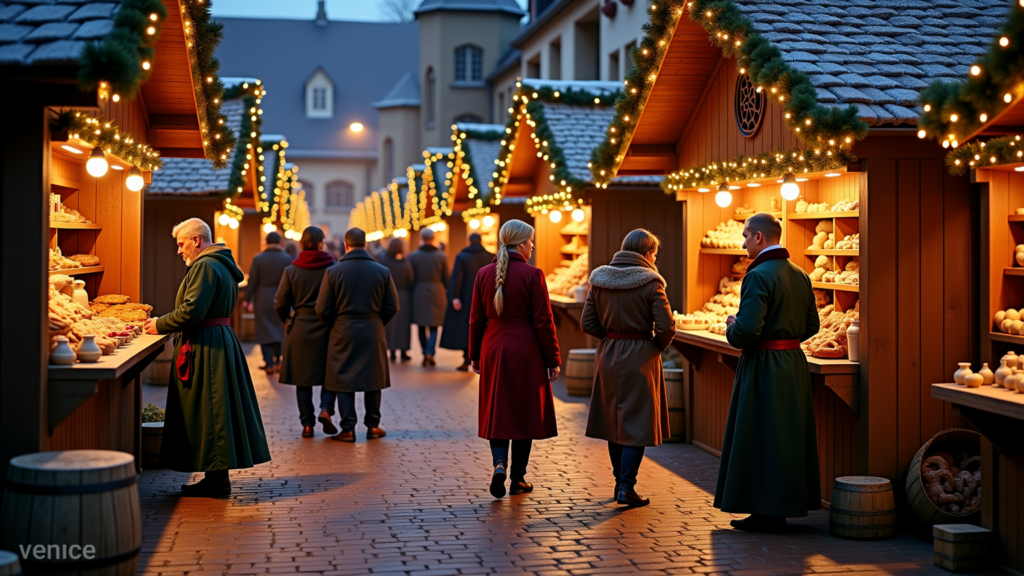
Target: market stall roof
<point x="875" y="56"/>
<point x="46" y="40"/>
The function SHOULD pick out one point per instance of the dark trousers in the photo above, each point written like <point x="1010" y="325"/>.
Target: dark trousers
<point x="428" y="339"/>
<point x="625" y="462"/>
<point x="304" y="396"/>
<point x="520" y="455"/>
<point x="347" y="409"/>
<point x="271" y="352"/>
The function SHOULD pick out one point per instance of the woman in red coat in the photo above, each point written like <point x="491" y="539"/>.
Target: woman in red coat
<point x="513" y="348"/>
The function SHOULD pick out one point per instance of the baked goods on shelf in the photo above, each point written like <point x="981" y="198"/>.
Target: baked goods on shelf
<point x="690" y="322"/>
<point x="59" y="262"/>
<point x="85" y="259"/>
<point x="728" y="234"/>
<point x="826" y="270"/>
<point x="741" y="265"/>
<point x="715" y="310"/>
<point x="954" y="489"/>
<point x="824" y="238"/>
<point x="804" y="207"/>
<point x="1009" y="321"/>
<point x="830" y="341"/>
<point x="574" y="247"/>
<point x="72" y="216"/>
<point x="851" y="242"/>
<point x="822" y="298"/>
<point x="563" y="281"/>
<point x="574" y="228"/>
<point x="113" y="299"/>
<point x="744" y="210"/>
<point x="718" y="328"/>
<point x="60" y="281"/>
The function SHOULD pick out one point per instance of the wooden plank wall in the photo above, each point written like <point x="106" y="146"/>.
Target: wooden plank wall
<point x="712" y="135"/>
<point x="1003" y="475"/>
<point x="919" y="273"/>
<point x="164" y="269"/>
<point x="615" y="212"/>
<point x="105" y="421"/>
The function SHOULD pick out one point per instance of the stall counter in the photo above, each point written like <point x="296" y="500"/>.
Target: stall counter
<point x="567" y="312"/>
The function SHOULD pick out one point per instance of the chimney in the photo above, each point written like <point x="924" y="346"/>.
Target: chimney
<point x="321" y="14"/>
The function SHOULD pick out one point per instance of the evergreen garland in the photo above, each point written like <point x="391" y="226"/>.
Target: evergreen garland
<point x="118" y="61"/>
<point x="953" y="111"/>
<point x="460" y="137"/>
<point x="202" y="35"/>
<point x="978" y="154"/>
<point x="248" y="138"/>
<point x="551" y="152"/>
<point x="774" y="164"/>
<point x="103" y="133"/>
<point x="818" y="127"/>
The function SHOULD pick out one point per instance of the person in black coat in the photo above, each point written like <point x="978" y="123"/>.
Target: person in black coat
<point x="264" y="277"/>
<point x="305" y="341"/>
<point x="357" y="299"/>
<point x="398" y="331"/>
<point x="455" y="332"/>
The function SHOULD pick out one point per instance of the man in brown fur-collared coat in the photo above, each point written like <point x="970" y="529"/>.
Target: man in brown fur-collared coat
<point x="628" y="310"/>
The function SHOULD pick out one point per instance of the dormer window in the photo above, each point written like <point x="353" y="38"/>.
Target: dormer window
<point x="469" y="64"/>
<point x="319" y="95"/>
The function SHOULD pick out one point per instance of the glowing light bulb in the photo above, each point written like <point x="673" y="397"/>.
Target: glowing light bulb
<point x="232" y="223"/>
<point x="790" y="190"/>
<point x="97" y="164"/>
<point x="269" y="227"/>
<point x="555" y="216"/>
<point x="488" y="221"/>
<point x="223" y="219"/>
<point x="578" y="215"/>
<point x="723" y="198"/>
<point x="356" y="127"/>
<point x="134" y="181"/>
<point x="474" y="224"/>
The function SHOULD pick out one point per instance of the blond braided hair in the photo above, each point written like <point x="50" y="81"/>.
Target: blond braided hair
<point x="512" y="234"/>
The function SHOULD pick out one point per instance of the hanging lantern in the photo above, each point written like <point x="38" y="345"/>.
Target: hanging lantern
<point x="97" y="164"/>
<point x="723" y="198"/>
<point x="790" y="190"/>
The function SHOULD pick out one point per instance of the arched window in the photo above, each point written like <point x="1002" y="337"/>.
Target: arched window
<point x="308" y="187"/>
<point x="389" y="160"/>
<point x="339" y="195"/>
<point x="430" y="100"/>
<point x="469" y="64"/>
<point x="469" y="119"/>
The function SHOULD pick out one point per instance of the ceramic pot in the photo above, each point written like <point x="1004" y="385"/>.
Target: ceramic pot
<point x="1002" y="372"/>
<point x="1011" y="381"/>
<point x="63" y="354"/>
<point x="965" y="369"/>
<point x="853" y="341"/>
<point x="1011" y="359"/>
<point x="987" y="374"/>
<point x="88" y="351"/>
<point x="974" y="380"/>
<point x="80" y="295"/>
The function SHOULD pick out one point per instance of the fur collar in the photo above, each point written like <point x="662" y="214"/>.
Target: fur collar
<point x="627" y="271"/>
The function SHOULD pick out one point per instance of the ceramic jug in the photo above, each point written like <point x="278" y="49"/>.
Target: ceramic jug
<point x="1011" y="381"/>
<point x="853" y="341"/>
<point x="89" y="351"/>
<point x="987" y="374"/>
<point x="965" y="369"/>
<point x="63" y="354"/>
<point x="974" y="380"/>
<point x="1011" y="359"/>
<point x="81" y="296"/>
<point x="1002" y="373"/>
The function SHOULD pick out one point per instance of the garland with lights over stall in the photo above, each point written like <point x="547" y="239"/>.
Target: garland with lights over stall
<point x="741" y="118"/>
<point x="94" y="115"/>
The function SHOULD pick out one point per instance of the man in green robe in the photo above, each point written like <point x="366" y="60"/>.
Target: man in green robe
<point x="213" y="421"/>
<point x="769" y="466"/>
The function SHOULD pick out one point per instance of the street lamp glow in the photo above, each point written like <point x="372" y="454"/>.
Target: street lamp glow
<point x="356" y="127"/>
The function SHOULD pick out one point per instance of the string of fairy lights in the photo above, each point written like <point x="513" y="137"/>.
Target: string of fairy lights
<point x="104" y="136"/>
<point x="465" y="170"/>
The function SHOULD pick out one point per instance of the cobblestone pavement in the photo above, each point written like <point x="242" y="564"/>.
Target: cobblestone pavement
<point x="417" y="502"/>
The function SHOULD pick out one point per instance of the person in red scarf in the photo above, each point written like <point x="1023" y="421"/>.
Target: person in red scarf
<point x="304" y="357"/>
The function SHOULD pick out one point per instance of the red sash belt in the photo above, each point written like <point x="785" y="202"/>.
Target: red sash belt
<point x="628" y="335"/>
<point x="793" y="344"/>
<point x="187" y="353"/>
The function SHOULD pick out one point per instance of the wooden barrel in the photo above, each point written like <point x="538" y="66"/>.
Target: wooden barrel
<point x="862" y="508"/>
<point x="924" y="509"/>
<point x="152" y="434"/>
<point x="676" y="404"/>
<point x="579" y="372"/>
<point x="962" y="547"/>
<point x="73" y="511"/>
<point x="9" y="565"/>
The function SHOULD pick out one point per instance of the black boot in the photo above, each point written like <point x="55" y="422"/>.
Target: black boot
<point x="215" y="483"/>
<point x="758" y="523"/>
<point x="629" y="497"/>
<point x="498" y="480"/>
<point x="519" y="486"/>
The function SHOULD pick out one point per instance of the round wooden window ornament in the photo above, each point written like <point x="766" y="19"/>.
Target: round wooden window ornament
<point x="749" y="107"/>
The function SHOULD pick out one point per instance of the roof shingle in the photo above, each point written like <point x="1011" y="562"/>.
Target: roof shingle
<point x="51" y="31"/>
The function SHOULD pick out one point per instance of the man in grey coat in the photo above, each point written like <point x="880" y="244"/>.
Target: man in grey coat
<point x="357" y="298"/>
<point x="429" y="292"/>
<point x="264" y="276"/>
<point x="455" y="331"/>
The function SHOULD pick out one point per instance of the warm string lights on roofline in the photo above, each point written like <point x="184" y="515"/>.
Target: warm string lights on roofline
<point x="104" y="135"/>
<point x="120" y="63"/>
<point x="230" y="215"/>
<point x="248" y="152"/>
<point x="440" y="204"/>
<point x="817" y="126"/>
<point x="202" y="35"/>
<point x="991" y="153"/>
<point x="270" y="198"/>
<point x="774" y="164"/>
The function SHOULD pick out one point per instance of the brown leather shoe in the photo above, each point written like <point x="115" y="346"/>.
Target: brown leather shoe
<point x="207" y="487"/>
<point x="464" y="367"/>
<point x="375" y="433"/>
<point x="325" y="418"/>
<point x="307" y="431"/>
<point x="349" y="436"/>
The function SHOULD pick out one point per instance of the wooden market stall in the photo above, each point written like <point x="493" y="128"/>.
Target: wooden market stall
<point x="81" y="141"/>
<point x="474" y="152"/>
<point x="542" y="164"/>
<point x="726" y="121"/>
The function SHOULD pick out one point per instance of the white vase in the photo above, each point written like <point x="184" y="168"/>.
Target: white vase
<point x="965" y="369"/>
<point x="80" y="295"/>
<point x="1011" y="359"/>
<point x="63" y="354"/>
<point x="853" y="341"/>
<point x="987" y="374"/>
<point x="1002" y="373"/>
<point x="88" y="350"/>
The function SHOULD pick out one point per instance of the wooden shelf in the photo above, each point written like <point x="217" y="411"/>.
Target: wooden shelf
<point x="996" y="400"/>
<point x="75" y="226"/>
<point x="1016" y="218"/>
<point x="1012" y="271"/>
<point x="834" y="253"/>
<point x="64" y="183"/>
<point x="78" y="271"/>
<point x="719" y="343"/>
<point x="725" y="251"/>
<point x="836" y="286"/>
<point x="742" y="217"/>
<point x="823" y="215"/>
<point x="114" y="365"/>
<point x="1008" y="338"/>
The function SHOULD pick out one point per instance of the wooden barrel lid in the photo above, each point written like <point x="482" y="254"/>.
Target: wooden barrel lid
<point x="582" y="352"/>
<point x="152" y="424"/>
<point x="863" y="484"/>
<point x="73" y="460"/>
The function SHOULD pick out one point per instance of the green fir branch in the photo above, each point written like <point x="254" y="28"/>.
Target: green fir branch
<point x="101" y="132"/>
<point x="978" y="154"/>
<point x="774" y="164"/>
<point x="119" y="61"/>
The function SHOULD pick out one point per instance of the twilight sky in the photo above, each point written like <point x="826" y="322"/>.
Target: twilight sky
<point x="301" y="9"/>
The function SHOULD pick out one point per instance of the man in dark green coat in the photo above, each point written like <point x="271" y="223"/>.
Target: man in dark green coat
<point x="213" y="421"/>
<point x="769" y="466"/>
